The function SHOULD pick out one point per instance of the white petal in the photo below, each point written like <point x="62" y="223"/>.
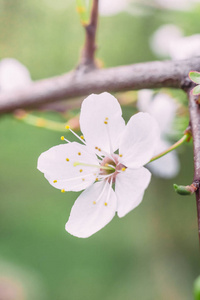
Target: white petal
<point x="13" y="75"/>
<point x="144" y="100"/>
<point x="161" y="106"/>
<point x="163" y="109"/>
<point x="129" y="188"/>
<point x="167" y="166"/>
<point x="163" y="38"/>
<point x="138" y="142"/>
<point x="95" y="110"/>
<point x="62" y="173"/>
<point x="86" y="218"/>
<point x="109" y="8"/>
<point x="185" y="47"/>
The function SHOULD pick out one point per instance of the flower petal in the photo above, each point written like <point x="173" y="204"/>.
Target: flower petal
<point x="160" y="106"/>
<point x="13" y="75"/>
<point x="129" y="188"/>
<point x="101" y="121"/>
<point x="57" y="164"/>
<point x="86" y="218"/>
<point x="138" y="142"/>
<point x="167" y="166"/>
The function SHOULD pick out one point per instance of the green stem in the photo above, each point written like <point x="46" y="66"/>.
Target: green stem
<point x="184" y="139"/>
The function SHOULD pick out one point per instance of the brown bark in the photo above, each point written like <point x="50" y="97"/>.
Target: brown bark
<point x="154" y="74"/>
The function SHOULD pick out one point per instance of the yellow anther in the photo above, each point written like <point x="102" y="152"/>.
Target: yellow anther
<point x="62" y="138"/>
<point x="81" y="170"/>
<point x="67" y="159"/>
<point x="82" y="137"/>
<point x="94" y="202"/>
<point x="105" y="122"/>
<point x="83" y="179"/>
<point x="67" y="127"/>
<point x="62" y="191"/>
<point x="96" y="148"/>
<point x="97" y="179"/>
<point x="106" y="165"/>
<point x="123" y="169"/>
<point x="105" y="203"/>
<point x="106" y="118"/>
<point x="120" y="155"/>
<point x="55" y="181"/>
<point x="99" y="149"/>
<point x="79" y="153"/>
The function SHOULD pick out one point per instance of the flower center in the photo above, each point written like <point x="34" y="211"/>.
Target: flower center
<point x="112" y="163"/>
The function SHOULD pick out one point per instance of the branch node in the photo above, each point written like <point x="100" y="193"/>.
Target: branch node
<point x="186" y="190"/>
<point x="186" y="84"/>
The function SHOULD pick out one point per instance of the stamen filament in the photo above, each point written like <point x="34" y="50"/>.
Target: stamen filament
<point x="101" y="194"/>
<point x="76" y="163"/>
<point x="76" y="135"/>
<point x="109" y="139"/>
<point x="78" y="177"/>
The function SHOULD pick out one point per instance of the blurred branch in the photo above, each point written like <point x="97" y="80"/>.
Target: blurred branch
<point x="194" y="109"/>
<point x="156" y="74"/>
<point x="87" y="57"/>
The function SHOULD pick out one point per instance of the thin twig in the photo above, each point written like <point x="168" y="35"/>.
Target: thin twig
<point x="185" y="138"/>
<point x="132" y="77"/>
<point x="87" y="57"/>
<point x="194" y="109"/>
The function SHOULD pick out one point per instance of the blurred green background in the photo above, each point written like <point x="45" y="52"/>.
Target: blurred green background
<point x="152" y="253"/>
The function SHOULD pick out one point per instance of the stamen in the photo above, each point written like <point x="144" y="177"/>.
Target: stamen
<point x="94" y="202"/>
<point x="120" y="155"/>
<point x="64" y="139"/>
<point x="62" y="191"/>
<point x="81" y="170"/>
<point x="76" y="135"/>
<point x="76" y="163"/>
<point x="123" y="169"/>
<point x="109" y="191"/>
<point x="79" y="153"/>
<point x="78" y="177"/>
<point x="109" y="139"/>
<point x="101" y="193"/>
<point x="55" y="181"/>
<point x="67" y="159"/>
<point x="82" y="137"/>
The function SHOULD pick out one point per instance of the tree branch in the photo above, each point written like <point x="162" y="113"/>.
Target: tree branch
<point x="173" y="74"/>
<point x="194" y="109"/>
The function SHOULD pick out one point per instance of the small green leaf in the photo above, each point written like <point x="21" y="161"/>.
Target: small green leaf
<point x="196" y="90"/>
<point x="197" y="289"/>
<point x="195" y="76"/>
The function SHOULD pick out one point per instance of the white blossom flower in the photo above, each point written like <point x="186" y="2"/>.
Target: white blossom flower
<point x="13" y="75"/>
<point x="168" y="41"/>
<point x="96" y="165"/>
<point x="163" y="108"/>
<point x="114" y="7"/>
<point x="177" y="4"/>
<point x="107" y="8"/>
